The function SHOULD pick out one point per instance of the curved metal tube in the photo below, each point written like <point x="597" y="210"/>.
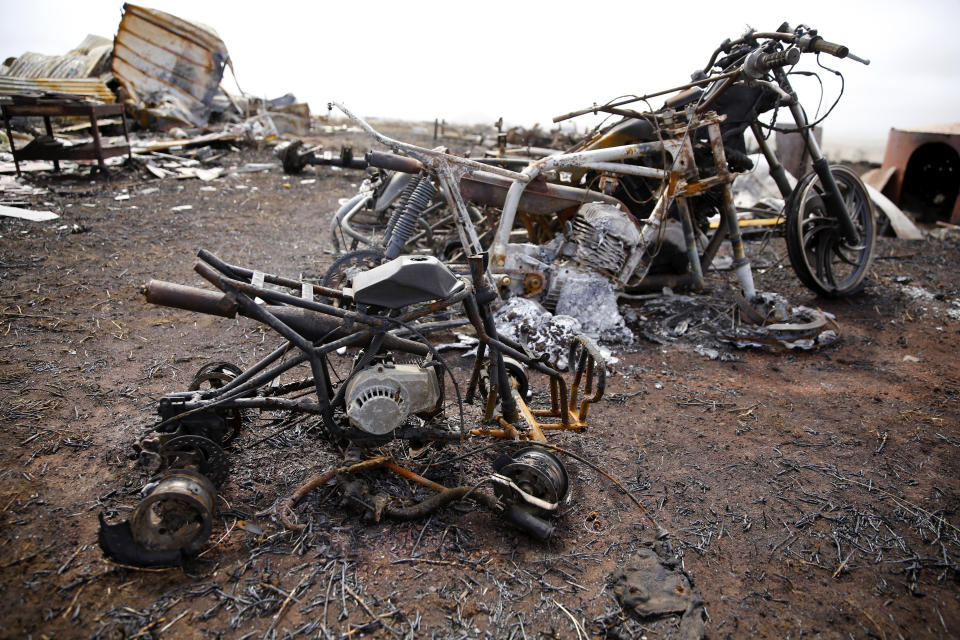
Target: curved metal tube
<point x="424" y="154"/>
<point x="341" y="219"/>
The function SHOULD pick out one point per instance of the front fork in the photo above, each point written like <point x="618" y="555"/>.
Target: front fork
<point x="832" y="198"/>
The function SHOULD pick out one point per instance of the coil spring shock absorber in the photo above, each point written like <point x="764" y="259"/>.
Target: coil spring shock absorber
<point x="407" y="221"/>
<point x="402" y="200"/>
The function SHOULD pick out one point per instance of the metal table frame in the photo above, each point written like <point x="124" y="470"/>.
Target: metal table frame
<point x="62" y="107"/>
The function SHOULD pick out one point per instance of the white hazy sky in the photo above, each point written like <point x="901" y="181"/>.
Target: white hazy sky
<point x="529" y="61"/>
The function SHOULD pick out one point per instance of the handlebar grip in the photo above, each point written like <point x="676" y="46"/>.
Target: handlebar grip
<point x="786" y="58"/>
<point x="393" y="162"/>
<point x="822" y="46"/>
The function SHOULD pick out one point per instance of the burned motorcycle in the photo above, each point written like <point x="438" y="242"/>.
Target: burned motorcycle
<point x="384" y="398"/>
<point x="674" y="164"/>
<point x="830" y="226"/>
<point x="393" y="213"/>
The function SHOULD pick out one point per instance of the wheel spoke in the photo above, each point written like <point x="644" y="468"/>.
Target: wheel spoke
<point x="816" y="227"/>
<point x="839" y="250"/>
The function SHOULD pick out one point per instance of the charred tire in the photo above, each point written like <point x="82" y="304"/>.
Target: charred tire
<point x="344" y="266"/>
<point x="819" y="256"/>
<point x="215" y="375"/>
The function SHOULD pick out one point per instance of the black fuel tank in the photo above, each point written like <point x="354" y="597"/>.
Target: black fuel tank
<point x="404" y="281"/>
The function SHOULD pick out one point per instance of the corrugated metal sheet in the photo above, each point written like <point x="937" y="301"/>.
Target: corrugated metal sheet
<point x="90" y="58"/>
<point x="168" y="66"/>
<point x="89" y="87"/>
<point x="74" y="72"/>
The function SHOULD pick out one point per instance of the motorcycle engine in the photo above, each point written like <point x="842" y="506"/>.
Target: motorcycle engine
<point x="601" y="241"/>
<point x="607" y="241"/>
<point x="382" y="396"/>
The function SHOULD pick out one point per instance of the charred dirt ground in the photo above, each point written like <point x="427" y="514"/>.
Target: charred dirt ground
<point x="811" y="494"/>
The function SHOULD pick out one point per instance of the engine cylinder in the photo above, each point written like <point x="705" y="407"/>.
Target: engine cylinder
<point x="606" y="238"/>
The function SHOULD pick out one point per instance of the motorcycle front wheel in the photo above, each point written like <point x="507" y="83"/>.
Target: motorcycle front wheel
<point x="820" y="256"/>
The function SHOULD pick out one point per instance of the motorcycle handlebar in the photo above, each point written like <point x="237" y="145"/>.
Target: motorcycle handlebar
<point x="786" y="58"/>
<point x="807" y="43"/>
<point x="819" y="45"/>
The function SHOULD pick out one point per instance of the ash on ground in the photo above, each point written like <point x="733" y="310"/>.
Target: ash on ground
<point x="715" y="326"/>
<point x="592" y="300"/>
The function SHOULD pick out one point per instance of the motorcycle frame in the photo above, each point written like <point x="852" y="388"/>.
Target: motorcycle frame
<point x="678" y="183"/>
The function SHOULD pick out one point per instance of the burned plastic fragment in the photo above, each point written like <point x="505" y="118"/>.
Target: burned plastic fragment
<point x="650" y="586"/>
<point x="116" y="541"/>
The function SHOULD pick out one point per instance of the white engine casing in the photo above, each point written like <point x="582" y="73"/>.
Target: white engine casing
<point x="380" y="397"/>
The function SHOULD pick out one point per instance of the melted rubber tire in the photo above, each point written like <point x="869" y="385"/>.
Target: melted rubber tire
<point x="337" y="274"/>
<point x="814" y="244"/>
<point x="215" y="375"/>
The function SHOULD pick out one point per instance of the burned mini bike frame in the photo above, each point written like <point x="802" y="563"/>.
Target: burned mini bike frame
<point x="316" y="329"/>
<point x="173" y="520"/>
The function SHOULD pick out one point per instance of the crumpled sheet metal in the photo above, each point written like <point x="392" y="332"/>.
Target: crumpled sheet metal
<point x="170" y="68"/>
<point x="88" y="59"/>
<point x="778" y="323"/>
<point x="78" y="72"/>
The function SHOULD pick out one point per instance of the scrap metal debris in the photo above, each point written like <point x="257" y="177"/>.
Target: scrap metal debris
<point x="774" y="321"/>
<point x="27" y="214"/>
<point x="170" y="68"/>
<point x="903" y="227"/>
<point x="161" y="68"/>
<point x="82" y="71"/>
<point x="15" y="191"/>
<point x="712" y="324"/>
